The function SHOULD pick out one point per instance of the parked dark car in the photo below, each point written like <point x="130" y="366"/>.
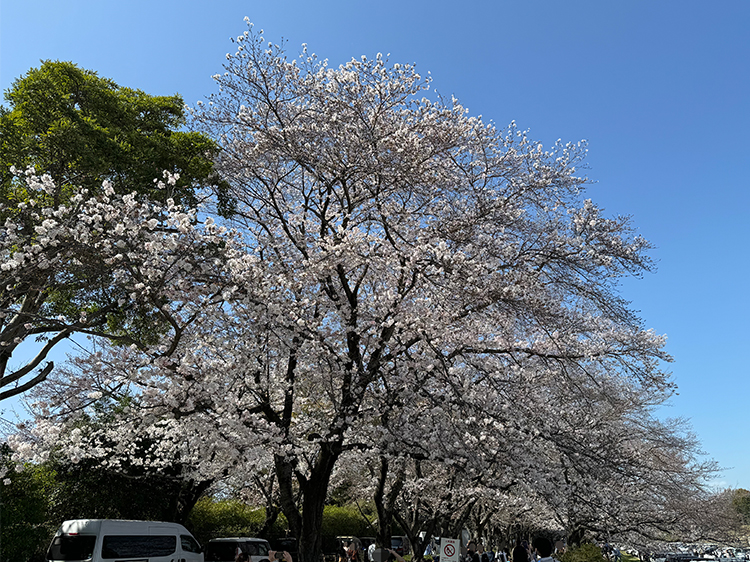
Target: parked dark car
<point x="225" y="549"/>
<point x="285" y="544"/>
<point x="400" y="545"/>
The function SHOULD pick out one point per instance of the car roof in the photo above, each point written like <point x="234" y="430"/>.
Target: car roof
<point x="238" y="539"/>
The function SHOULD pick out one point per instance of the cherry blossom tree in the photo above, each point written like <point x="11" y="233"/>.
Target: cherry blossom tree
<point x="586" y="459"/>
<point x="414" y="288"/>
<point x="107" y="265"/>
<point x="405" y="243"/>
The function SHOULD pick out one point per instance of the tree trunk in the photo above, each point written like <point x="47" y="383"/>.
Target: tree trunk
<point x="576" y="536"/>
<point x="272" y="514"/>
<point x="384" y="506"/>
<point x="285" y="476"/>
<point x="413" y="522"/>
<point x="306" y="525"/>
<point x="190" y="492"/>
<point x="310" y="539"/>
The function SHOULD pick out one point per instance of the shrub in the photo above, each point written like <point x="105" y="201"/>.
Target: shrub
<point x="583" y="553"/>
<point x="211" y="518"/>
<point x="344" y="521"/>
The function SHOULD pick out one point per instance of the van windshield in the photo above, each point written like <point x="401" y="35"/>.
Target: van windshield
<point x="78" y="547"/>
<point x="256" y="548"/>
<point x="138" y="546"/>
<point x="220" y="551"/>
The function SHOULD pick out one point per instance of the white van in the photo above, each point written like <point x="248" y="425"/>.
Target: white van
<point x="114" y="540"/>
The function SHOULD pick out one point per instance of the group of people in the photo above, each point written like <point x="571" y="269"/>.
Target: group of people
<point x="611" y="552"/>
<point x="273" y="556"/>
<point x="540" y="550"/>
<point x="352" y="553"/>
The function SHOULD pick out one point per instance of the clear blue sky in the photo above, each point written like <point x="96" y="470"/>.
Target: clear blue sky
<point x="660" y="89"/>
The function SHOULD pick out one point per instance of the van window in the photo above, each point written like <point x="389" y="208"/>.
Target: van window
<point x="123" y="546"/>
<point x="79" y="547"/>
<point x="189" y="544"/>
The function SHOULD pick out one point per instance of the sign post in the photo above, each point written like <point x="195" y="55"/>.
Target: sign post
<point x="449" y="549"/>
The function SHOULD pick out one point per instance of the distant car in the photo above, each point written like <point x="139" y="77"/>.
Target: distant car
<point x="400" y="545"/>
<point x="286" y="544"/>
<point x="368" y="547"/>
<point x="225" y="549"/>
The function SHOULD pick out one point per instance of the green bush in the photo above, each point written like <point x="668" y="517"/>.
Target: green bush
<point x="344" y="521"/>
<point x="211" y="518"/>
<point x="583" y="553"/>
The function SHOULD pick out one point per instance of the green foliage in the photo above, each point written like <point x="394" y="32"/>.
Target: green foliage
<point x="81" y="129"/>
<point x="741" y="503"/>
<point x="344" y="520"/>
<point x="25" y="528"/>
<point x="212" y="518"/>
<point x="583" y="553"/>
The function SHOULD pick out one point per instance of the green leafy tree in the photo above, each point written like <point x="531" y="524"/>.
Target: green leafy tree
<point x="81" y="129"/>
<point x="24" y="509"/>
<point x="344" y="520"/>
<point x="741" y="502"/>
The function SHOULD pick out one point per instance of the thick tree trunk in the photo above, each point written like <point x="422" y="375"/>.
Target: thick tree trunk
<point x="306" y="524"/>
<point x="184" y="502"/>
<point x="310" y="539"/>
<point x="272" y="514"/>
<point x="384" y="507"/>
<point x="285" y="476"/>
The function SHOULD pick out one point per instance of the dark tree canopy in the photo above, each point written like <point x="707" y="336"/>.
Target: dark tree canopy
<point x="81" y="129"/>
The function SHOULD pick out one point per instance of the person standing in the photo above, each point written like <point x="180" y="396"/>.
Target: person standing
<point x="483" y="556"/>
<point x="520" y="554"/>
<point x="352" y="552"/>
<point x="543" y="548"/>
<point x="471" y="552"/>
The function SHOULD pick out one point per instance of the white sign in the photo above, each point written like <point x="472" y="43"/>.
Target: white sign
<point x="449" y="549"/>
